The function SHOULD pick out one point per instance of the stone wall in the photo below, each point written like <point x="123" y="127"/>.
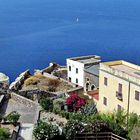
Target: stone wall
<point x="78" y="90"/>
<point x="23" y="100"/>
<point x="36" y="94"/>
<point x="19" y="80"/>
<point x="93" y="80"/>
<point x="50" y="68"/>
<point x="40" y="93"/>
<point x="55" y="77"/>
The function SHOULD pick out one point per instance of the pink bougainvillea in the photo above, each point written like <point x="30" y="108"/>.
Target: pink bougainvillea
<point x="74" y="102"/>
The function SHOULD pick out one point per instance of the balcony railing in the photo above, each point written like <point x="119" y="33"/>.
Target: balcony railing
<point x="119" y="95"/>
<point x="98" y="136"/>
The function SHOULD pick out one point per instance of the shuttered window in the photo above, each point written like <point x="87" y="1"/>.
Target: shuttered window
<point x="105" y="101"/>
<point x="120" y="88"/>
<point x="137" y="95"/>
<point x="105" y="81"/>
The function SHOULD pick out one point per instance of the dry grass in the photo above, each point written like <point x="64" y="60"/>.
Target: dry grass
<point x="39" y="76"/>
<point x="53" y="82"/>
<point x="31" y="81"/>
<point x="45" y="83"/>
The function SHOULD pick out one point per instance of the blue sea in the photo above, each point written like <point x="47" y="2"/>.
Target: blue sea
<point x="36" y="32"/>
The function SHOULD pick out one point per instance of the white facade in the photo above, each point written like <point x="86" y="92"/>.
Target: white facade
<point x="4" y="79"/>
<point x="76" y="67"/>
<point x="75" y="72"/>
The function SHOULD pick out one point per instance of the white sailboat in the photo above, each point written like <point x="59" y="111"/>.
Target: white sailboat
<point x="77" y="19"/>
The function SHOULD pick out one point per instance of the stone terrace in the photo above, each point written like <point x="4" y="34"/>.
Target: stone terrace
<point x="28" y="114"/>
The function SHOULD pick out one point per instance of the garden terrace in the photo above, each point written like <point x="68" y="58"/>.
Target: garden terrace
<point x="41" y="82"/>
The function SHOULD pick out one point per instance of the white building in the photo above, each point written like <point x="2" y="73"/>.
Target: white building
<point x="4" y="79"/>
<point x="76" y="68"/>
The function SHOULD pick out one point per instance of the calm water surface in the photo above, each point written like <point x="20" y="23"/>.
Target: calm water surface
<point x="35" y="32"/>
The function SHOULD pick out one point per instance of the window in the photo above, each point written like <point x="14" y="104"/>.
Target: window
<point x="87" y="86"/>
<point x="87" y="79"/>
<point x="69" y="68"/>
<point x="120" y="88"/>
<point x="105" y="81"/>
<point x="137" y="95"/>
<point x="69" y="79"/>
<point x="105" y="101"/>
<point x="92" y="87"/>
<point x="76" y="70"/>
<point x="119" y="92"/>
<point x="76" y="80"/>
<point x="119" y="108"/>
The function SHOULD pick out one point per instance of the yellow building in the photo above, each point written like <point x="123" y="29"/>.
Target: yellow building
<point x="119" y="87"/>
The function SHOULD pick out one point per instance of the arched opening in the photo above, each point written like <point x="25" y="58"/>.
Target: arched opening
<point x="92" y="87"/>
<point x="87" y="86"/>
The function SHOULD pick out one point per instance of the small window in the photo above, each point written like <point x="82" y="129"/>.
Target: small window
<point x="76" y="80"/>
<point x="105" y="81"/>
<point x="76" y="70"/>
<point x="119" y="108"/>
<point x="69" y="79"/>
<point x="105" y="101"/>
<point x="69" y="68"/>
<point x="137" y="95"/>
<point x="92" y="87"/>
<point x="120" y="88"/>
<point x="87" y="79"/>
<point x="87" y="86"/>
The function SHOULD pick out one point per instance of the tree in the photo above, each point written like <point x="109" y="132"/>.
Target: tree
<point x="47" y="104"/>
<point x="133" y="124"/>
<point x="116" y="122"/>
<point x="135" y="133"/>
<point x="13" y="117"/>
<point x="44" y="130"/>
<point x="98" y="126"/>
<point x="4" y="134"/>
<point x="74" y="102"/>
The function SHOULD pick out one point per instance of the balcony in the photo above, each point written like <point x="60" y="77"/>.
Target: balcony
<point x="119" y="95"/>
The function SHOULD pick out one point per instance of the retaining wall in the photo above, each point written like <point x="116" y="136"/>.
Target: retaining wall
<point x="23" y="100"/>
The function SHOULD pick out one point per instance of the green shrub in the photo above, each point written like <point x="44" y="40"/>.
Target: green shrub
<point x="71" y="129"/>
<point x="13" y="117"/>
<point x="4" y="134"/>
<point x="67" y="115"/>
<point x="58" y="103"/>
<point x="133" y="123"/>
<point x="64" y="114"/>
<point x="44" y="130"/>
<point x="89" y="109"/>
<point x="135" y="135"/>
<point x="77" y="116"/>
<point x="56" y="110"/>
<point x="47" y="104"/>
